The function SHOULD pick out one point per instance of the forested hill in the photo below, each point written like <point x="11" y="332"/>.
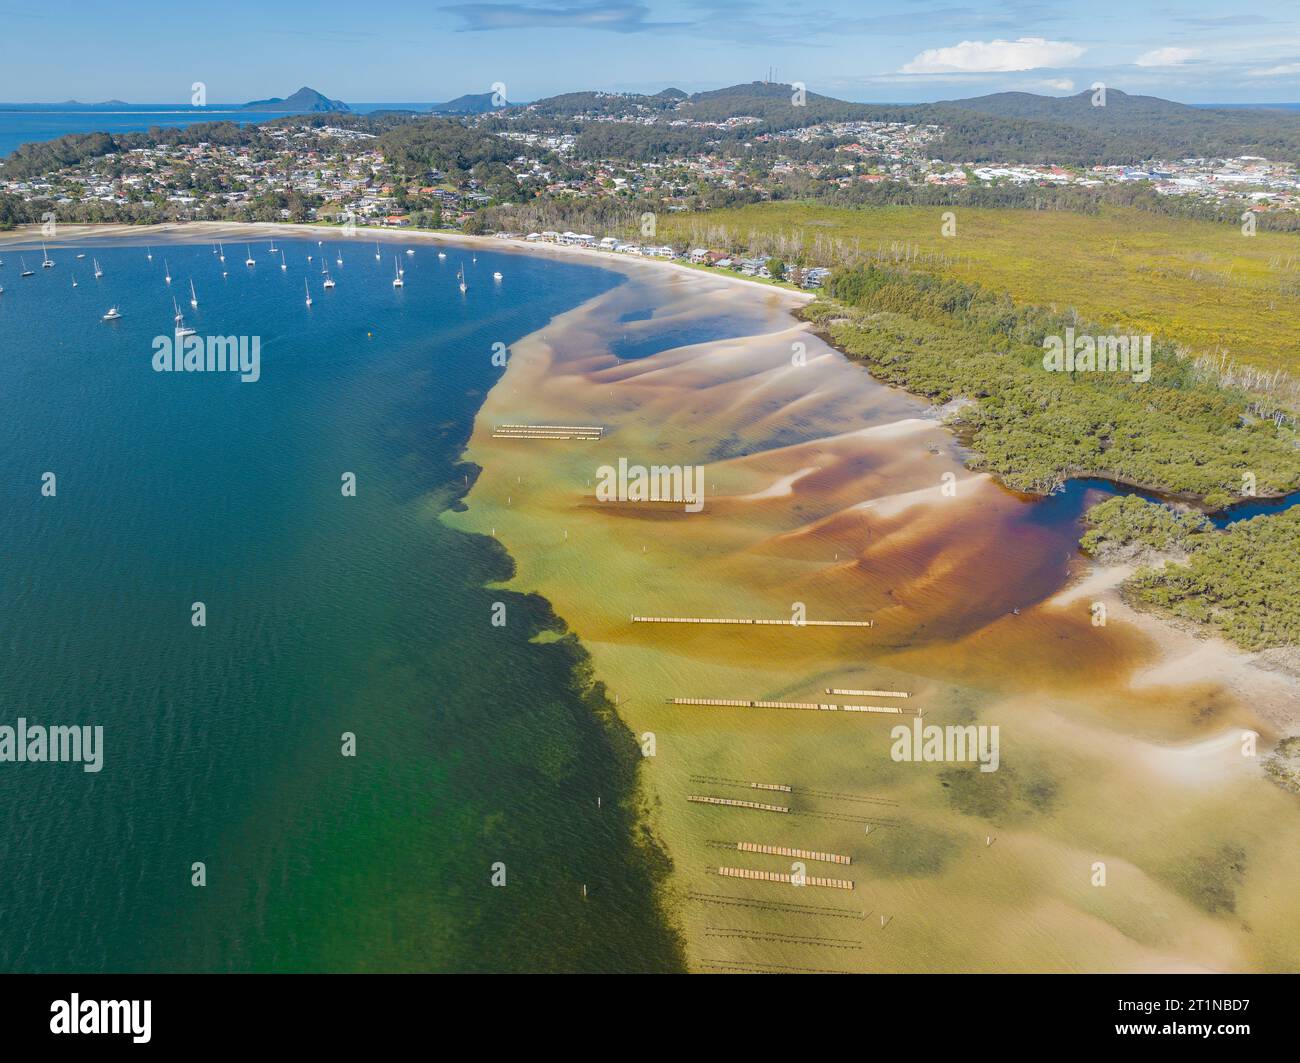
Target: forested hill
<point x="1125" y="129"/>
<point x="1012" y="127"/>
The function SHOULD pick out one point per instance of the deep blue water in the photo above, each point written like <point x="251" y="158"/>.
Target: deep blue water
<point x="325" y="614"/>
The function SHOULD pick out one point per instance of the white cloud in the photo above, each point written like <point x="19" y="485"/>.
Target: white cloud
<point x="1166" y="56"/>
<point x="987" y="57"/>
<point x="1275" y="71"/>
<point x="1060" y="84"/>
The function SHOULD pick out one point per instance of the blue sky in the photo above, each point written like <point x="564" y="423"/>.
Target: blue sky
<point x="144" y="51"/>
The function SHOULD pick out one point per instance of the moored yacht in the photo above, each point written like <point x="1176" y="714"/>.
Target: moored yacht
<point x="112" y="314"/>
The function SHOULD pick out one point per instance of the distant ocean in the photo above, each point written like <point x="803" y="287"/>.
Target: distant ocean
<point x="479" y="748"/>
<point x="26" y="123"/>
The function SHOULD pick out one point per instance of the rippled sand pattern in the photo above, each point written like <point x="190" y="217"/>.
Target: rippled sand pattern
<point x="825" y="488"/>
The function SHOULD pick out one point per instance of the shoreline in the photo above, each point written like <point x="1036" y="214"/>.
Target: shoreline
<point x="364" y="234"/>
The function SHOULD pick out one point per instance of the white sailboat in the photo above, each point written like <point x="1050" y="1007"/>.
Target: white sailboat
<point x="376" y="251"/>
<point x="283" y="265"/>
<point x="48" y="263"/>
<point x="250" y="260"/>
<point x="274" y="249"/>
<point x="98" y="271"/>
<point x="148" y="253"/>
<point x="181" y="330"/>
<point x="340" y="258"/>
<point x="74" y="282"/>
<point x="221" y="252"/>
<point x="167" y="276"/>
<point x="397" y="274"/>
<point x="329" y="281"/>
<point x="194" y="296"/>
<point x="26" y="272"/>
<point x="460" y="275"/>
<point x="307" y="286"/>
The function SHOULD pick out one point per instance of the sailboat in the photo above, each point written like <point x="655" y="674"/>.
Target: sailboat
<point x="74" y="282"/>
<point x="148" y="253"/>
<point x="340" y="258"/>
<point x="168" y="275"/>
<point x="274" y="249"/>
<point x="250" y="260"/>
<point x="98" y="272"/>
<point x="81" y="254"/>
<point x="194" y="297"/>
<point x="376" y="251"/>
<point x="329" y="281"/>
<point x="26" y="272"/>
<point x="397" y="274"/>
<point x="49" y="262"/>
<point x="283" y="265"/>
<point x="181" y="330"/>
<point x="221" y="252"/>
<point x="308" y="289"/>
<point x="460" y="275"/>
<point x="409" y="251"/>
<point x="442" y="254"/>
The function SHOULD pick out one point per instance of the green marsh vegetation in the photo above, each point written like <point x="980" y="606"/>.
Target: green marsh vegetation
<point x="1200" y="284"/>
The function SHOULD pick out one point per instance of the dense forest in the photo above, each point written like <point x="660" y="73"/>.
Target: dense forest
<point x="1241" y="580"/>
<point x="1178" y="432"/>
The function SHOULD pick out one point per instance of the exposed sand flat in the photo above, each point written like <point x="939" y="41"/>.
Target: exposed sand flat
<point x="782" y="487"/>
<point x="1096" y="581"/>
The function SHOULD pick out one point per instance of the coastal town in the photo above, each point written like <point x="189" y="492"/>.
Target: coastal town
<point x="542" y="167"/>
